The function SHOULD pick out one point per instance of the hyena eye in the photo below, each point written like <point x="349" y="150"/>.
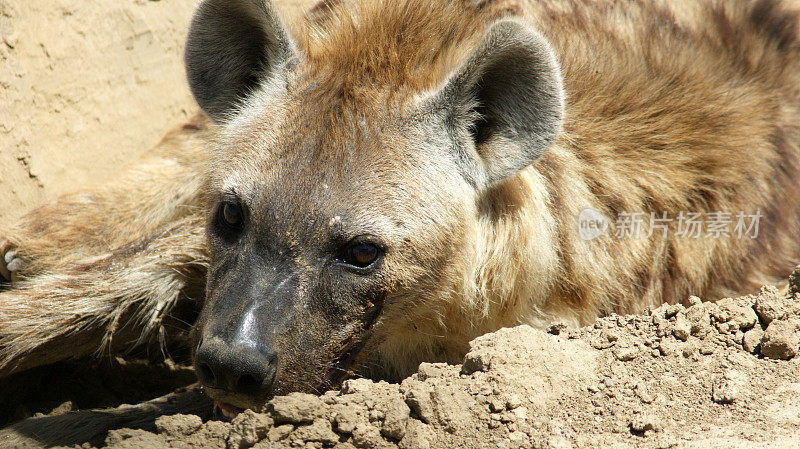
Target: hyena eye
<point x="230" y="215"/>
<point x="362" y="255"/>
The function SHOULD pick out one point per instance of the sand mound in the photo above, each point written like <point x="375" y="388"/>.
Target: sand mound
<point x="711" y="375"/>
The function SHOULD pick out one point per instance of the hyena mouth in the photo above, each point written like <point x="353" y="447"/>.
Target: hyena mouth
<point x="226" y="411"/>
<point x="353" y="353"/>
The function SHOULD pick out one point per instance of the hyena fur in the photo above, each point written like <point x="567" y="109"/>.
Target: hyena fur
<point x="465" y="138"/>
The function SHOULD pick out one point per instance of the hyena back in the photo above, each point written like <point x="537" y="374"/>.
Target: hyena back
<point x="397" y="177"/>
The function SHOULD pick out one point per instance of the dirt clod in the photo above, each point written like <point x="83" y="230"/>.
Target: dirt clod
<point x="725" y="389"/>
<point x="752" y="339"/>
<point x="781" y="340"/>
<point x="771" y="305"/>
<point x="296" y="408"/>
<point x="319" y="431"/>
<point x="644" y="423"/>
<point x="247" y="429"/>
<point x="178" y="425"/>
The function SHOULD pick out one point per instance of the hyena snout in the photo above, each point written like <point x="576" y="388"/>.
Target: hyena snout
<point x="235" y="367"/>
<point x="242" y="334"/>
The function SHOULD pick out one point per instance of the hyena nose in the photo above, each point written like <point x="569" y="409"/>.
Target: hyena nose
<point x="235" y="368"/>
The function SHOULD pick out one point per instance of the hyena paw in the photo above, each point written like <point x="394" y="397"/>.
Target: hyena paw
<point x="10" y="262"/>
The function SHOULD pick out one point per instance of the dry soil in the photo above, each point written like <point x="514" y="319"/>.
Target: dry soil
<point x="713" y="375"/>
<point x="86" y="87"/>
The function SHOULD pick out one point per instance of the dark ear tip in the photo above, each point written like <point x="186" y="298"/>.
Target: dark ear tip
<point x="230" y="47"/>
<point x="512" y="35"/>
<point x="512" y="31"/>
<point x="509" y="25"/>
<point x="509" y="93"/>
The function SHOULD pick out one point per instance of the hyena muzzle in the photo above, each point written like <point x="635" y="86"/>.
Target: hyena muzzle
<point x="394" y="178"/>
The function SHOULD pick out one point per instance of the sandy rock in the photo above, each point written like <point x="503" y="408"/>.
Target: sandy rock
<point x="708" y="347"/>
<point x="681" y="328"/>
<point x="366" y="436"/>
<point x="726" y="387"/>
<point x="296" y="408"/>
<point x="726" y="327"/>
<point x="353" y="414"/>
<point x="134" y="439"/>
<point x="558" y="328"/>
<point x="346" y="418"/>
<point x="741" y="317"/>
<point x="701" y="329"/>
<point x="556" y="442"/>
<point x="319" y="431"/>
<point x="545" y="390"/>
<point x="279" y="432"/>
<point x="64" y="407"/>
<point x="669" y="347"/>
<point x="663" y="326"/>
<point x="514" y="401"/>
<point x="690" y="348"/>
<point x="431" y="370"/>
<point x="696" y="313"/>
<point x="626" y="354"/>
<point x="248" y="429"/>
<point x="699" y="320"/>
<point x="781" y="340"/>
<point x="497" y="405"/>
<point x="418" y="436"/>
<point x="770" y="305"/>
<point x="643" y="392"/>
<point x="453" y="408"/>
<point x="213" y="435"/>
<point x="643" y="423"/>
<point x="752" y="339"/>
<point x="418" y="398"/>
<point x="395" y="420"/>
<point x="476" y="361"/>
<point x="673" y="310"/>
<point x="518" y="439"/>
<point x="355" y="386"/>
<point x="178" y="425"/>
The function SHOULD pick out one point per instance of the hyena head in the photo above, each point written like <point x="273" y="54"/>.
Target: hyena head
<point x="345" y="181"/>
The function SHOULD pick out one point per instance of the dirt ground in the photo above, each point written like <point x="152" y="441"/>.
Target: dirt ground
<point x="87" y="86"/>
<point x="713" y="375"/>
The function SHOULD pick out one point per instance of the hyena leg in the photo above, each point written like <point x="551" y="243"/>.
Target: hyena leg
<point x="112" y="302"/>
<point x="92" y="425"/>
<point x="83" y="267"/>
<point x="162" y="187"/>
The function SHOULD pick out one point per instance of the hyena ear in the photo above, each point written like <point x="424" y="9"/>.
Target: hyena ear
<point x="508" y="96"/>
<point x="232" y="46"/>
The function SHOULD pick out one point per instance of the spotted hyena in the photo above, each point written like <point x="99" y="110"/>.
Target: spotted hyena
<point x="392" y="178"/>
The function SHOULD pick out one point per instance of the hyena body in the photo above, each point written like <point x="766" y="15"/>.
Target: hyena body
<point x="397" y="177"/>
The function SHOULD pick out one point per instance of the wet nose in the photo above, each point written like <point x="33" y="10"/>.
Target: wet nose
<point x="236" y="368"/>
